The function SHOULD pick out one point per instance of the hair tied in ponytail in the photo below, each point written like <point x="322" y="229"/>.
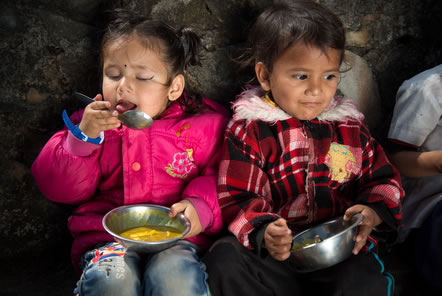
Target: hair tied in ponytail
<point x="184" y="40"/>
<point x="191" y="45"/>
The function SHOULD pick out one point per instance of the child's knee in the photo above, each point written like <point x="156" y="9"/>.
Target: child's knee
<point x="222" y="257"/>
<point x="110" y="276"/>
<point x="176" y="272"/>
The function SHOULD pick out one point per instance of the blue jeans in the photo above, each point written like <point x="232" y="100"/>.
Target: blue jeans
<point x="111" y="270"/>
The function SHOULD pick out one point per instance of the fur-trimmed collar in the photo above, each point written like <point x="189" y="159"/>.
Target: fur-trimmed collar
<point x="251" y="107"/>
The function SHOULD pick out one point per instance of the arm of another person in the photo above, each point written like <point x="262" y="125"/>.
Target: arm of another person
<point x="417" y="164"/>
<point x="416" y="117"/>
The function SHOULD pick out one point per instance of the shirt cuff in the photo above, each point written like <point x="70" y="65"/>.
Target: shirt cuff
<point x="203" y="210"/>
<point x="77" y="147"/>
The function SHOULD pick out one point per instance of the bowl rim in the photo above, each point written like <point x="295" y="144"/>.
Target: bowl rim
<point x="163" y="208"/>
<point x="359" y="218"/>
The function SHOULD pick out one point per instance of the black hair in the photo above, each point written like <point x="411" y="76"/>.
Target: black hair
<point x="178" y="48"/>
<point x="287" y="23"/>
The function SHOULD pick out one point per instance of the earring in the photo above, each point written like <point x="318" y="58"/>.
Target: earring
<point x="269" y="99"/>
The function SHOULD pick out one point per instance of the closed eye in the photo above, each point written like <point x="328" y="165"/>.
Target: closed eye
<point x="114" y="77"/>
<point x="145" y="79"/>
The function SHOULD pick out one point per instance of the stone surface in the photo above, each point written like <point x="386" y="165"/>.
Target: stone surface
<point x="357" y="83"/>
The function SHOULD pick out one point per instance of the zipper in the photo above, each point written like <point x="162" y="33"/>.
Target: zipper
<point x="309" y="184"/>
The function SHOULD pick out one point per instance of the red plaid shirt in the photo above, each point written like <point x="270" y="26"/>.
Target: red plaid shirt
<point x="305" y="172"/>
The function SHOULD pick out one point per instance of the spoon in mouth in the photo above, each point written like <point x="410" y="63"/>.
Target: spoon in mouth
<point x="132" y="118"/>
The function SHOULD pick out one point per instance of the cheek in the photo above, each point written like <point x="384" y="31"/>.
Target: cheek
<point x="332" y="86"/>
<point x="108" y="91"/>
<point x="107" y="84"/>
<point x="153" y="106"/>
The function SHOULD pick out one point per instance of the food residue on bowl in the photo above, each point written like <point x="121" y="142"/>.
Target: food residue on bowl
<point x="151" y="233"/>
<point x="307" y="242"/>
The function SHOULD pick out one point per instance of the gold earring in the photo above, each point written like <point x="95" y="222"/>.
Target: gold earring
<point x="268" y="99"/>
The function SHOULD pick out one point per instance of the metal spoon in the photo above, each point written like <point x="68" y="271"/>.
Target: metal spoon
<point x="132" y="119"/>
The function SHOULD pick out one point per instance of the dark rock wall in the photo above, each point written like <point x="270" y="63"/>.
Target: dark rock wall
<point x="49" y="49"/>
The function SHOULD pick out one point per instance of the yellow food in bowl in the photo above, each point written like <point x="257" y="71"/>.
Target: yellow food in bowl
<point x="152" y="233"/>
<point x="303" y="245"/>
<point x="307" y="242"/>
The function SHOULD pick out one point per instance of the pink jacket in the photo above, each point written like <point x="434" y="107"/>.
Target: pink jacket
<point x="176" y="158"/>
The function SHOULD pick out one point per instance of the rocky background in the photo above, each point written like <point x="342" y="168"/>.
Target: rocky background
<point x="49" y="49"/>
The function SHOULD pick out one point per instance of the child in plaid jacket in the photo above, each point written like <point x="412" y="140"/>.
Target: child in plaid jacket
<point x="295" y="155"/>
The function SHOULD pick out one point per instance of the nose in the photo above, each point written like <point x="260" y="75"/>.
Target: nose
<point x="314" y="87"/>
<point x="123" y="86"/>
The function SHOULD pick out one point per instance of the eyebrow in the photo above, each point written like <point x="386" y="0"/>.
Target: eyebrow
<point x="141" y="67"/>
<point x="310" y="70"/>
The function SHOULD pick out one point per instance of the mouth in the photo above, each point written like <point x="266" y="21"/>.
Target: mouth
<point x="311" y="104"/>
<point x="124" y="105"/>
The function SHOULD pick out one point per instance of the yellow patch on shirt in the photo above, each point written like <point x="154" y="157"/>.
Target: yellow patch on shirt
<point x="340" y="161"/>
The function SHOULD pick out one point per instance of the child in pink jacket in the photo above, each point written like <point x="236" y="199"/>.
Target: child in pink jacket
<point x="101" y="164"/>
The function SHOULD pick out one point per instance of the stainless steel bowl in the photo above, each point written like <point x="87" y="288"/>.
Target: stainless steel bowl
<point x="126" y="217"/>
<point x="324" y="245"/>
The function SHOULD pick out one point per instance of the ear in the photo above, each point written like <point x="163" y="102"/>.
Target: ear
<point x="263" y="75"/>
<point x="176" y="87"/>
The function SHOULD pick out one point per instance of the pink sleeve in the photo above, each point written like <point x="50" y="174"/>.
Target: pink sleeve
<point x="201" y="191"/>
<point x="64" y="177"/>
<point x="203" y="210"/>
<point x="78" y="147"/>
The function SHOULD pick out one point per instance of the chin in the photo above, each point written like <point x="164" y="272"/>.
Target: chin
<point x="304" y="117"/>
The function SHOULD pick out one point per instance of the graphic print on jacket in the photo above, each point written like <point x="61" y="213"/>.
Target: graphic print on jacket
<point x="182" y="162"/>
<point x="341" y="161"/>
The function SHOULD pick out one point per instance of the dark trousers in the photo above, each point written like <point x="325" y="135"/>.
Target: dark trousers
<point x="235" y="270"/>
<point x="428" y="247"/>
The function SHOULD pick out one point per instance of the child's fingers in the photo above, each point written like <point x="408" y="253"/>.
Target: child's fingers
<point x="280" y="222"/>
<point x="278" y="228"/>
<point x="361" y="238"/>
<point x="98" y="97"/>
<point x="176" y="208"/>
<point x="100" y="105"/>
<point x="280" y="240"/>
<point x="280" y="256"/>
<point x="280" y="248"/>
<point x="353" y="210"/>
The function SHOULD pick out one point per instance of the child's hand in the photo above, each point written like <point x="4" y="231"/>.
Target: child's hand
<point x="97" y="117"/>
<point x="189" y="211"/>
<point x="371" y="220"/>
<point x="278" y="239"/>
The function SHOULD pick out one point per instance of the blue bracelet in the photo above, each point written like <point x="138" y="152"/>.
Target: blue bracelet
<point x="78" y="133"/>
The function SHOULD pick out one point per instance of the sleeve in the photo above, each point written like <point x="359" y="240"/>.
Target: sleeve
<point x="417" y="111"/>
<point x="243" y="186"/>
<point x="65" y="177"/>
<point x="380" y="184"/>
<point x="393" y="146"/>
<point x="202" y="190"/>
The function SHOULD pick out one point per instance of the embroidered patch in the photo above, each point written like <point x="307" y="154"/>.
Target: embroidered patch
<point x="182" y="162"/>
<point x="101" y="254"/>
<point x="181" y="128"/>
<point x="340" y="161"/>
